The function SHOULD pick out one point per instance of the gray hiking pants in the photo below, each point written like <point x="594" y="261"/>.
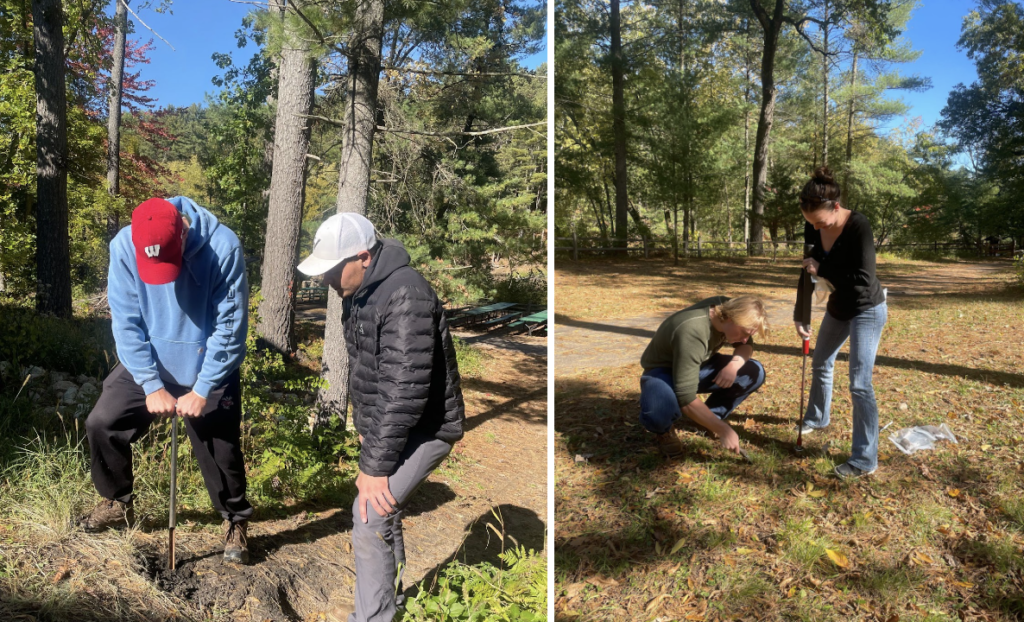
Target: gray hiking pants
<point x="378" y="545"/>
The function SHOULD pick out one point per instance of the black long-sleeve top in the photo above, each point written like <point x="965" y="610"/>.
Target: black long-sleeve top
<point x="849" y="266"/>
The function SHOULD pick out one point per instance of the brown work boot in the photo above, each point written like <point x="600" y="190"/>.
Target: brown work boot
<point x="669" y="444"/>
<point x="236" y="542"/>
<point x="108" y="514"/>
<point x="340" y="612"/>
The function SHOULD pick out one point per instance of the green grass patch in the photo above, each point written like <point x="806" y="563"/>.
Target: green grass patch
<point x="471" y="359"/>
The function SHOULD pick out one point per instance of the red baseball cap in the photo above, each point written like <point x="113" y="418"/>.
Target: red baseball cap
<point x="156" y="234"/>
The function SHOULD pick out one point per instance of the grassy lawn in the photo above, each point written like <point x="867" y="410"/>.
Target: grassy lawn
<point x="933" y="536"/>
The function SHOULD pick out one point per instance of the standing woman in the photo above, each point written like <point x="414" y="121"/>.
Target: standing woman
<point x="843" y="256"/>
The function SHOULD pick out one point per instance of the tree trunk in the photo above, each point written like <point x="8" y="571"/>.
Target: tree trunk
<point x="599" y="214"/>
<point x="824" y="104"/>
<point x="849" y="126"/>
<point x="771" y="26"/>
<point x="296" y="78"/>
<point x="619" y="128"/>
<point x="353" y="183"/>
<point x="53" y="262"/>
<point x="114" y="91"/>
<point x="746" y="166"/>
<point x="675" y="233"/>
<point x="608" y="204"/>
<point x="747" y="96"/>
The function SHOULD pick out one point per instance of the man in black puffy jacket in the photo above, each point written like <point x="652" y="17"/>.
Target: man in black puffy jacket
<point x="405" y="390"/>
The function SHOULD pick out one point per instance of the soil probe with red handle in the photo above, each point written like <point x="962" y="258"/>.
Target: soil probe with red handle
<point x="803" y="302"/>
<point x="174" y="487"/>
<point x="803" y="377"/>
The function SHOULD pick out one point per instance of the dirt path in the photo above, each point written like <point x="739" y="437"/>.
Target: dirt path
<point x="593" y="344"/>
<point x="299" y="562"/>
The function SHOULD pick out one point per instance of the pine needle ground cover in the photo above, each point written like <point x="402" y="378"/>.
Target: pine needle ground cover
<point x="934" y="536"/>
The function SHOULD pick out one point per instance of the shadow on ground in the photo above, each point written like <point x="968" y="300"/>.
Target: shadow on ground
<point x="482" y="544"/>
<point x="620" y="510"/>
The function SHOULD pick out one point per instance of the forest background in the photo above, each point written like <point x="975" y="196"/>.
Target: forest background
<point x="706" y="118"/>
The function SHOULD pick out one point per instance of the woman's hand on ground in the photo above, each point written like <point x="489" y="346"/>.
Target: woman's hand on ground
<point x="730" y="440"/>
<point x="803" y="331"/>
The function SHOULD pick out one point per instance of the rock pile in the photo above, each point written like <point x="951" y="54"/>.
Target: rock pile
<point x="53" y="390"/>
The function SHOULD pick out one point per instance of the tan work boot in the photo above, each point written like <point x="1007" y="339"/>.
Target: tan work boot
<point x="236" y="542"/>
<point x="669" y="444"/>
<point x="108" y="514"/>
<point x="341" y="611"/>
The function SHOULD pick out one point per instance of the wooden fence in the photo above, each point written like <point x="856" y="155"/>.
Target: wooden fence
<point x="719" y="248"/>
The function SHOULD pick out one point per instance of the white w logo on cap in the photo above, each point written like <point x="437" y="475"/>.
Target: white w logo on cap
<point x="153" y="251"/>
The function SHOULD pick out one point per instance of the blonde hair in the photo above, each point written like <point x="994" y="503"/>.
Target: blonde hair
<point x="745" y="311"/>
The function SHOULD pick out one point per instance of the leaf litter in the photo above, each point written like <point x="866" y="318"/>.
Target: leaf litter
<point x="926" y="537"/>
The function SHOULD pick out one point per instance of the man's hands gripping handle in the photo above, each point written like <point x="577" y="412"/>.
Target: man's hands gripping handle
<point x="163" y="404"/>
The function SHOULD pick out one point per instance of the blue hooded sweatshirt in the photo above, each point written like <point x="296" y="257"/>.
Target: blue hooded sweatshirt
<point x="190" y="332"/>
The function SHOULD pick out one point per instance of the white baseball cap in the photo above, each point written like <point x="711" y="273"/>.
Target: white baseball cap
<point x="339" y="237"/>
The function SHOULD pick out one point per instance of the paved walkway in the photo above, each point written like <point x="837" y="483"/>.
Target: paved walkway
<point x="593" y="344"/>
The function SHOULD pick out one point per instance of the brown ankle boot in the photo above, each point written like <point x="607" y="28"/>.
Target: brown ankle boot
<point x="236" y="542"/>
<point x="107" y="514"/>
<point x="669" y="444"/>
<point x="340" y="612"/>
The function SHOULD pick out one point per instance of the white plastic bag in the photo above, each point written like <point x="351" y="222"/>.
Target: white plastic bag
<point x="910" y="440"/>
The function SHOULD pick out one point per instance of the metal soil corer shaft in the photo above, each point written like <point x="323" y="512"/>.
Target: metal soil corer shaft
<point x="804" y="315"/>
<point x="174" y="488"/>
<point x="803" y="378"/>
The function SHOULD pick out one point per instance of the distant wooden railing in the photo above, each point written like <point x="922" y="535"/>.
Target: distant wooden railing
<point x="647" y="246"/>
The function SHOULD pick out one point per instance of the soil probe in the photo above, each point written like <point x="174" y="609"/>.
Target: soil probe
<point x="174" y="487"/>
<point x="807" y="288"/>
<point x="803" y="376"/>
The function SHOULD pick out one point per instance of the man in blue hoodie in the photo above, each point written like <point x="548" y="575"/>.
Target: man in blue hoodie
<point x="178" y="299"/>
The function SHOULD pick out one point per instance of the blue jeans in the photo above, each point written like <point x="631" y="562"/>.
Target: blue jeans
<point x="659" y="406"/>
<point x="864" y="331"/>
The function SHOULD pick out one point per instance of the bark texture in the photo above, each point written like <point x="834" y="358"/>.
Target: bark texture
<point x="295" y="82"/>
<point x="772" y="26"/>
<point x="353" y="184"/>
<point x="824" y="103"/>
<point x="53" y="263"/>
<point x="114" y="94"/>
<point x="619" y="128"/>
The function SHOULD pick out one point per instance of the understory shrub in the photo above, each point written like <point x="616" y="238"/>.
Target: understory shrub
<point x="516" y="592"/>
<point x="529" y="288"/>
<point x="77" y="345"/>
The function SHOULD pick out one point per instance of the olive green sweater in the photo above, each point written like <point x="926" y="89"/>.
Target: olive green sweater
<point x="683" y="342"/>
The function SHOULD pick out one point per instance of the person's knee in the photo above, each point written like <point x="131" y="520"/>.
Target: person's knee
<point x="99" y="419"/>
<point x="862" y="388"/>
<point x="757" y="373"/>
<point x="860" y="385"/>
<point x="375" y="523"/>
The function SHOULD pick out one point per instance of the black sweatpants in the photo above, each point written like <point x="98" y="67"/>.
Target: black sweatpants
<point x="120" y="418"/>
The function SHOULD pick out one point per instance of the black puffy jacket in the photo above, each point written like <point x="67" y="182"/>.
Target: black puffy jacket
<point x="403" y="375"/>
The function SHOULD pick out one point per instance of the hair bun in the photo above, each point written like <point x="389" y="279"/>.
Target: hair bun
<point x="823" y="175"/>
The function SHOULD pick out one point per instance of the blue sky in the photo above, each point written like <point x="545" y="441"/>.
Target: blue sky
<point x="934" y="29"/>
<point x="197" y="29"/>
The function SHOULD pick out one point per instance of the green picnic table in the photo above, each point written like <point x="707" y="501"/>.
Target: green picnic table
<point x="480" y="312"/>
<point x="532" y="322"/>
